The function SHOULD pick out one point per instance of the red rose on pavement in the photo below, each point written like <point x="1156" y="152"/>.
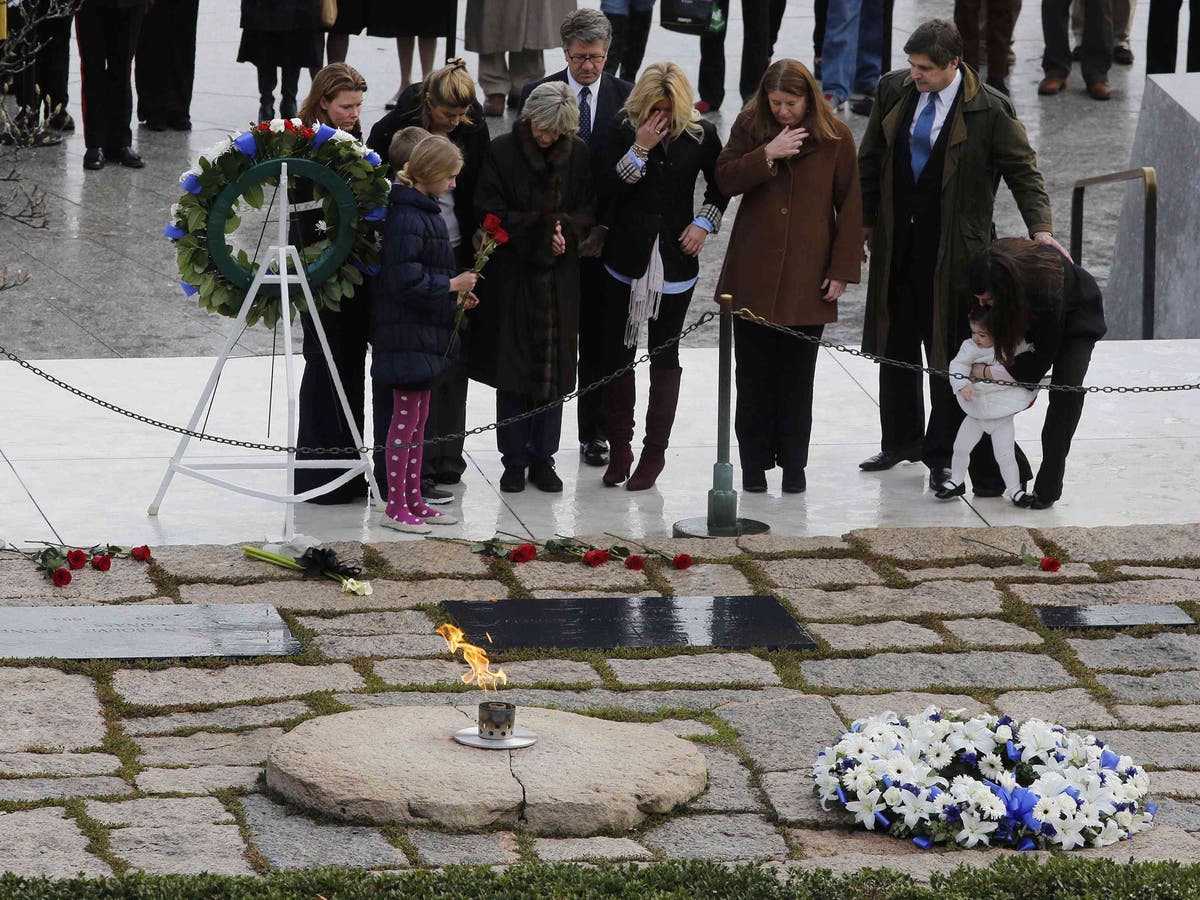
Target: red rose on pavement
<point x="522" y="553"/>
<point x="102" y="561"/>
<point x="76" y="559"/>
<point x="596" y="557"/>
<point x="682" y="561"/>
<point x="500" y="236"/>
<point x="491" y="222"/>
<point x="141" y="554"/>
<point x="1050" y="564"/>
<point x="635" y="562"/>
<point x="61" y="577"/>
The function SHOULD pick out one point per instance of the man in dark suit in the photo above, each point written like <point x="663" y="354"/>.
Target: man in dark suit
<point x="936" y="146"/>
<point x="586" y="35"/>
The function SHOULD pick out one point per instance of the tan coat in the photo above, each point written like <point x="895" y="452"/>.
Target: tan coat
<point x="799" y="223"/>
<point x="507" y="26"/>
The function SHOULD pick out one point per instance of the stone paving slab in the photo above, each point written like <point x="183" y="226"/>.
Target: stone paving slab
<point x="233" y="684"/>
<point x="160" y="813"/>
<point x="21" y="584"/>
<point x="876" y="636"/>
<point x="1162" y="843"/>
<point x="58" y="763"/>
<point x="574" y="701"/>
<point x="438" y="849"/>
<point x="790" y="793"/>
<point x="44" y="843"/>
<point x="1070" y="708"/>
<point x="47" y="708"/>
<point x="1150" y="716"/>
<point x="697" y="548"/>
<point x="781" y="735"/>
<point x="325" y="595"/>
<point x="701" y="668"/>
<point x="814" y="843"/>
<point x="1160" y="591"/>
<point x="975" y="571"/>
<point x="600" y="849"/>
<point x="728" y="784"/>
<point x="991" y="633"/>
<point x="337" y="646"/>
<point x="1160" y="749"/>
<point x="1159" y="572"/>
<point x="684" y="727"/>
<point x="538" y="575"/>
<point x="1176" y="783"/>
<point x="1168" y="687"/>
<point x="780" y="543"/>
<point x="1166" y="650"/>
<point x="292" y="840"/>
<point x="548" y="594"/>
<point x="811" y="573"/>
<point x="939" y="598"/>
<point x="226" y="717"/>
<point x="977" y="668"/>
<point x="439" y="671"/>
<point x="239" y="748"/>
<point x="1127" y="542"/>
<point x="405" y="621"/>
<point x="431" y="557"/>
<point x="420" y="671"/>
<point x="1183" y="814"/>
<point x="197" y="779"/>
<point x="717" y="837"/>
<point x="219" y="562"/>
<point x="182" y="849"/>
<point x="904" y="703"/>
<point x="945" y="543"/>
<point x="62" y="788"/>
<point x="707" y="580"/>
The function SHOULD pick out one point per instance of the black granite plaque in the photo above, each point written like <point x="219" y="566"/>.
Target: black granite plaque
<point x="144" y="632"/>
<point x="602" y="623"/>
<point x="1113" y="616"/>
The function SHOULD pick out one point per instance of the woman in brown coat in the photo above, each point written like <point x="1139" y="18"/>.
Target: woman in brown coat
<point x="794" y="247"/>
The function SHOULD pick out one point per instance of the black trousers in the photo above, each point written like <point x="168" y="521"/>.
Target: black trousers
<point x="774" y="373"/>
<point x="322" y="421"/>
<point x="671" y="312"/>
<point x="1062" y="415"/>
<point x="1162" y="36"/>
<point x="1097" y="39"/>
<point x="448" y="402"/>
<point x="760" y="29"/>
<point x="590" y="406"/>
<point x="531" y="440"/>
<point x="820" y="14"/>
<point x="42" y="86"/>
<point x="166" y="62"/>
<point x="107" y="37"/>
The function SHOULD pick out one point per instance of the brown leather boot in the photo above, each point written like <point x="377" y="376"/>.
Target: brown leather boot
<point x="660" y="416"/>
<point x="1050" y="86"/>
<point x="619" y="398"/>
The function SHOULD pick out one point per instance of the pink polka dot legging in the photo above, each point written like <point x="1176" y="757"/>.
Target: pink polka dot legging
<point x="410" y="410"/>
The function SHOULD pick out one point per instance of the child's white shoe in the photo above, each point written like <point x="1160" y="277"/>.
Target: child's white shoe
<point x="441" y="519"/>
<point x="389" y="522"/>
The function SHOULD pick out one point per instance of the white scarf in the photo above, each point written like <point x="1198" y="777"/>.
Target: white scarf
<point x="645" y="293"/>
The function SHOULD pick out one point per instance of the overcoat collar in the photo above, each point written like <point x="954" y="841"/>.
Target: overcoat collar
<point x="971" y="99"/>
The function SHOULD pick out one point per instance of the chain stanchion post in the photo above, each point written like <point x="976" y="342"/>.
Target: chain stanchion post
<point x="722" y="519"/>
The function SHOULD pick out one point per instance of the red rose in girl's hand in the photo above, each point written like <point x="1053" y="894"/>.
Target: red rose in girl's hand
<point x="61" y="577"/>
<point x="522" y="553"/>
<point x="596" y="557"/>
<point x="1050" y="564"/>
<point x="102" y="561"/>
<point x="635" y="562"/>
<point x="141" y="554"/>
<point x="491" y="222"/>
<point x="76" y="559"/>
<point x="682" y="561"/>
<point x="500" y="236"/>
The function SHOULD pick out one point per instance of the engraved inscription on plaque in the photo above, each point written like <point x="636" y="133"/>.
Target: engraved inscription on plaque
<point x="144" y="632"/>
<point x="1123" y="615"/>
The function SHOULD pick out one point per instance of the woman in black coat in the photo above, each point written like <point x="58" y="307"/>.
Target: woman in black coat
<point x="537" y="181"/>
<point x="284" y="35"/>
<point x="655" y="234"/>
<point x="445" y="104"/>
<point x="1038" y="295"/>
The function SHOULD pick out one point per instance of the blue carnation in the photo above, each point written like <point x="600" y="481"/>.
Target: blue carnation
<point x="373" y="159"/>
<point x="246" y="144"/>
<point x="378" y="214"/>
<point x="323" y="133"/>
<point x="189" y="290"/>
<point x="191" y="183"/>
<point x="173" y="231"/>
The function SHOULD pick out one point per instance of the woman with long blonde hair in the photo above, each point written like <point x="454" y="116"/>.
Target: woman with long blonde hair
<point x="659" y="148"/>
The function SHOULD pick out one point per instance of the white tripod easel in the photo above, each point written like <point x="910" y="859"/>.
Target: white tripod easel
<point x="283" y="252"/>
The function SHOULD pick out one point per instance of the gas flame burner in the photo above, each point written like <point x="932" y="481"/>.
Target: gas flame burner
<point x="497" y="729"/>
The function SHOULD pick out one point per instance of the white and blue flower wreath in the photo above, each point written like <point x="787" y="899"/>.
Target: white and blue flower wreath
<point x="987" y="780"/>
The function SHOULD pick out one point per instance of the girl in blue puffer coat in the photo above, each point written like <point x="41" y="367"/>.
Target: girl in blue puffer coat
<point x="412" y="319"/>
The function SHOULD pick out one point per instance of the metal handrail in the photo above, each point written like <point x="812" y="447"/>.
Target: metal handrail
<point x="1149" y="232"/>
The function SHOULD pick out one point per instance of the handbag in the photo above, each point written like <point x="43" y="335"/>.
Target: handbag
<point x="329" y="13"/>
<point x="686" y="16"/>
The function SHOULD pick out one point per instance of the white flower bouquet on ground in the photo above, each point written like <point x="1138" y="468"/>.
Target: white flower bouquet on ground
<point x="989" y="780"/>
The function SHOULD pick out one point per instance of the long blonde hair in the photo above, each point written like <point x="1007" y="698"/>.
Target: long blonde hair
<point x="435" y="157"/>
<point x="664" y="81"/>
<point x="450" y="86"/>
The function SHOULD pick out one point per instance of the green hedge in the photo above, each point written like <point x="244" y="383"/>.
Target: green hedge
<point x="1019" y="878"/>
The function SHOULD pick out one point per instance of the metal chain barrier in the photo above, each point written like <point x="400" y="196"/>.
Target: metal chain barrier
<point x="703" y="319"/>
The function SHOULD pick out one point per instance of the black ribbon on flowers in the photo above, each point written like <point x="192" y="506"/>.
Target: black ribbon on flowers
<point x="325" y="559"/>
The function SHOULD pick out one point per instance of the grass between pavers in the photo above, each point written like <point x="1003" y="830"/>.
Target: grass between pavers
<point x="96" y="833"/>
<point x="1057" y="878"/>
<point x="231" y="800"/>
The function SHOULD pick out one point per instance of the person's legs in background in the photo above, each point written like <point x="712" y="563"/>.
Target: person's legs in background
<point x="1097" y="47"/>
<point x="1000" y="24"/>
<point x="869" y="63"/>
<point x="820" y="15"/>
<point x="1062" y="417"/>
<point x="617" y="13"/>
<point x="795" y="368"/>
<point x="711" y="83"/>
<point x="839" y="52"/>
<point x="641" y="17"/>
<point x="494" y="81"/>
<point x="754" y="415"/>
<point x="665" y="374"/>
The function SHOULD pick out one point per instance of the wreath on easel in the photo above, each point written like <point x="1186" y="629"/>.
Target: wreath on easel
<point x="348" y="180"/>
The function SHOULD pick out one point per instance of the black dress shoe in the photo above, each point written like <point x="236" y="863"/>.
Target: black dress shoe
<point x="513" y="479"/>
<point x="754" y="481"/>
<point x="93" y="158"/>
<point x="156" y="124"/>
<point x="127" y="157"/>
<point x="544" y="478"/>
<point x="885" y="459"/>
<point x="794" y="482"/>
<point x="594" y="452"/>
<point x="987" y="490"/>
<point x="180" y="123"/>
<point x="862" y="106"/>
<point x="447" y="476"/>
<point x="950" y="490"/>
<point x="937" y="477"/>
<point x="431" y="493"/>
<point x="1039" y="503"/>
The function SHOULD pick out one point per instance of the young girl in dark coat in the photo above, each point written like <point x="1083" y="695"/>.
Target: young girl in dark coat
<point x="412" y="320"/>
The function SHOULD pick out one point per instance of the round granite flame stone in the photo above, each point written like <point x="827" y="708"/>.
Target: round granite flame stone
<point x="401" y="765"/>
